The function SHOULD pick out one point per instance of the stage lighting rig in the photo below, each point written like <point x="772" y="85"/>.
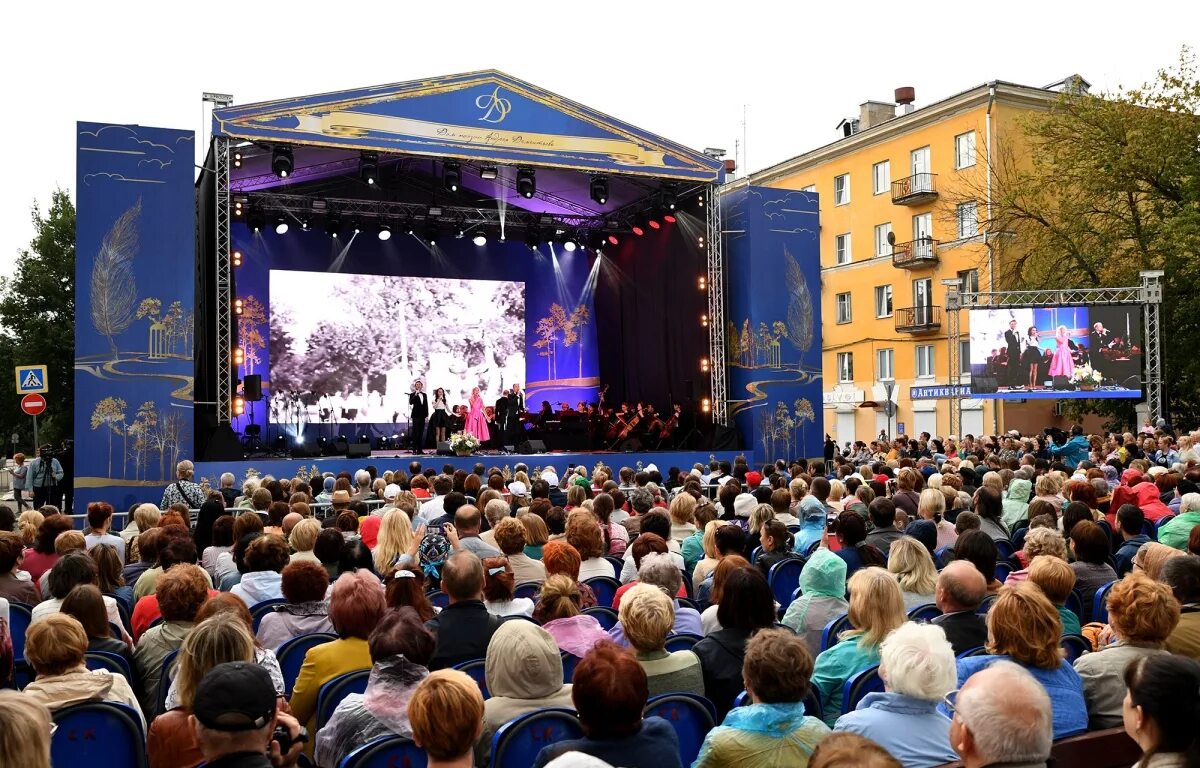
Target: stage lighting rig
<point x="256" y="220"/>
<point x="333" y="223"/>
<point x="368" y="167"/>
<point x="595" y="240"/>
<point x="533" y="237"/>
<point x="281" y="226"/>
<point x="488" y="172"/>
<point x="408" y="226"/>
<point x="639" y="226"/>
<point x="451" y="175"/>
<point x="431" y="233"/>
<point x="282" y="162"/>
<point x="569" y="243"/>
<point x="385" y="232"/>
<point x="237" y="159"/>
<point x="599" y="189"/>
<point x="526" y="183"/>
<point x="480" y="239"/>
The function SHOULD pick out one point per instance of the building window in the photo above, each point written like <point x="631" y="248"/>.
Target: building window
<point x="810" y="188"/>
<point x="882" y="246"/>
<point x="968" y="223"/>
<point x="924" y="361"/>
<point x="881" y="175"/>
<point x="964" y="358"/>
<point x="843" y="307"/>
<point x="883" y="301"/>
<point x="885" y="369"/>
<point x="841" y="249"/>
<point x="841" y="189"/>
<point x="968" y="281"/>
<point x="845" y="364"/>
<point x="964" y="150"/>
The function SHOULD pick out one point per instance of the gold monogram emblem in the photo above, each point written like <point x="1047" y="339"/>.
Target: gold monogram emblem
<point x="495" y="107"/>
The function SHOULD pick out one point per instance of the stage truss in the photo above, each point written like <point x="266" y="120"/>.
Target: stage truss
<point x="1148" y="294"/>
<point x="713" y="245"/>
<point x="224" y="283"/>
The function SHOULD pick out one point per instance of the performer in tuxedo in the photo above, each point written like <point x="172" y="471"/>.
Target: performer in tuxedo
<point x="1012" y="340"/>
<point x="1099" y="338"/>
<point x="503" y="404"/>
<point x="419" y="403"/>
<point x="512" y="420"/>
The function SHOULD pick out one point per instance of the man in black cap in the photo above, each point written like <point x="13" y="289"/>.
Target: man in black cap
<point x="234" y="717"/>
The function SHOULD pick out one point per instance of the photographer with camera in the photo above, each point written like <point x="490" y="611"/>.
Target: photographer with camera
<point x="45" y="474"/>
<point x="1072" y="451"/>
<point x="236" y="722"/>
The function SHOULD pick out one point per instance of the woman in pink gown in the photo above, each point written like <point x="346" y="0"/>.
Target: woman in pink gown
<point x="1062" y="364"/>
<point x="476" y="421"/>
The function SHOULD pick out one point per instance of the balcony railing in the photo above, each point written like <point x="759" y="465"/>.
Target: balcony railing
<point x="915" y="254"/>
<point x="921" y="319"/>
<point x="914" y="190"/>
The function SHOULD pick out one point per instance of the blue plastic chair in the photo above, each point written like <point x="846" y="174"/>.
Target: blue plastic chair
<point x="687" y="602"/>
<point x="927" y="612"/>
<point x="386" y="752"/>
<point x="684" y="641"/>
<point x="859" y="685"/>
<point x="978" y="650"/>
<point x="113" y="662"/>
<point x="1004" y="549"/>
<point x="1018" y="537"/>
<point x="258" y="610"/>
<point x="1002" y="571"/>
<point x="332" y="693"/>
<point x="1074" y="603"/>
<point x="529" y="589"/>
<point x="754" y="555"/>
<point x="164" y="680"/>
<point x="124" y="611"/>
<point x="741" y="700"/>
<point x="793" y="529"/>
<point x="812" y="704"/>
<point x="606" y="616"/>
<point x="20" y="616"/>
<point x="986" y="605"/>
<point x="617" y="563"/>
<point x="939" y="556"/>
<point x="604" y="588"/>
<point x="517" y="743"/>
<point x="1100" y="604"/>
<point x="1075" y="646"/>
<point x="98" y="733"/>
<point x="691" y="716"/>
<point x="1161" y="522"/>
<point x="569" y="660"/>
<point x="439" y="599"/>
<point x="829" y="635"/>
<point x="784" y="579"/>
<point x="291" y="655"/>
<point x="812" y="548"/>
<point x="477" y="669"/>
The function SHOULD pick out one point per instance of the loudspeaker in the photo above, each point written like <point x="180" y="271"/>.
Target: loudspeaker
<point x="531" y="446"/>
<point x="631" y="445"/>
<point x="223" y="445"/>
<point x="302" y="451"/>
<point x="443" y="448"/>
<point x="984" y="385"/>
<point x="340" y="446"/>
<point x="252" y="388"/>
<point x="724" y="438"/>
<point x="358" y="450"/>
<point x="1062" y="383"/>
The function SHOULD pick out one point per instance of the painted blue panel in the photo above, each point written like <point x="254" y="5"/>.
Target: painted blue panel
<point x="773" y="331"/>
<point x="482" y="116"/>
<point x="134" y="282"/>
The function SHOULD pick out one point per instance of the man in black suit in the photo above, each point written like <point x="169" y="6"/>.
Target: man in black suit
<point x="512" y="422"/>
<point x="500" y="426"/>
<point x="1099" y="338"/>
<point x="960" y="590"/>
<point x="1012" y="340"/>
<point x="418" y="401"/>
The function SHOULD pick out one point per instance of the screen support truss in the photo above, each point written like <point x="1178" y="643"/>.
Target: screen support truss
<point x="224" y="284"/>
<point x="1148" y="294"/>
<point x="716" y="307"/>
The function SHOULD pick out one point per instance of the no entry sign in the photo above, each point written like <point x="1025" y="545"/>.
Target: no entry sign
<point x="33" y="405"/>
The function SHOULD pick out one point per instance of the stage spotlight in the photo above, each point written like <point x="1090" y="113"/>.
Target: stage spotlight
<point x="704" y="365"/>
<point x="569" y="245"/>
<point x="239" y="356"/>
<point x="451" y="175"/>
<point x="281" y="226"/>
<point x="459" y="232"/>
<point x="333" y="223"/>
<point x="255" y="220"/>
<point x="408" y="226"/>
<point x="237" y="159"/>
<point x="637" y="229"/>
<point x="705" y="405"/>
<point x="599" y="189"/>
<point x="702" y="282"/>
<point x="368" y="167"/>
<point x="654" y="224"/>
<point x="488" y="172"/>
<point x="356" y="226"/>
<point x="703" y="321"/>
<point x="237" y="258"/>
<point x="239" y="406"/>
<point x="526" y="183"/>
<point x="238" y="306"/>
<point x="480" y="240"/>
<point x="532" y="238"/>
<point x="669" y="218"/>
<point x="237" y="207"/>
<point x="282" y="162"/>
<point x="700" y="241"/>
<point x="304" y="225"/>
<point x="595" y="240"/>
<point x="700" y="201"/>
<point x="431" y="234"/>
<point x="612" y="239"/>
<point x="385" y="232"/>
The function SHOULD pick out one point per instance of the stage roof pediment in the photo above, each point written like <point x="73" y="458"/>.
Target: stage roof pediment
<point x="485" y="116"/>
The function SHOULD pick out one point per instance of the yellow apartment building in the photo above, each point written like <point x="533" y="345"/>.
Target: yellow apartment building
<point x="904" y="196"/>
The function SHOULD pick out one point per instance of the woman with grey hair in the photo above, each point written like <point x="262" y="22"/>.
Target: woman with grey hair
<point x="183" y="489"/>
<point x="660" y="571"/>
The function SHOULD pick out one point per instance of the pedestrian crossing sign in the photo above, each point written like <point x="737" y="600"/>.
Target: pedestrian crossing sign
<point x="31" y="379"/>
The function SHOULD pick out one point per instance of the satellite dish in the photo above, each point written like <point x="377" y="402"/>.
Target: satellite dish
<point x="891" y="238"/>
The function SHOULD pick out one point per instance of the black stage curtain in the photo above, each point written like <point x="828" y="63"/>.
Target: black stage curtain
<point x="648" y="310"/>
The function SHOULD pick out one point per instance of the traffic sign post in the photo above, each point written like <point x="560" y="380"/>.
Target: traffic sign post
<point x="32" y="384"/>
<point x="33" y="405"/>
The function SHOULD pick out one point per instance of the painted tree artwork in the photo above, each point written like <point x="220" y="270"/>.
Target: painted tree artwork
<point x="113" y="287"/>
<point x="109" y="413"/>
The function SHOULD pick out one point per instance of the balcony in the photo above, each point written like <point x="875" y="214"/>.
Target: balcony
<point x="914" y="190"/>
<point x="922" y="319"/>
<point x="915" y="254"/>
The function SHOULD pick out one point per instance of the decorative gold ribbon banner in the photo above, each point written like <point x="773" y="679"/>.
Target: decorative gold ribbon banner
<point x="358" y="124"/>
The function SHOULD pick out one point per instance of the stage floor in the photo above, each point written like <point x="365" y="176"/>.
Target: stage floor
<point x="393" y="460"/>
<point x="1060" y="394"/>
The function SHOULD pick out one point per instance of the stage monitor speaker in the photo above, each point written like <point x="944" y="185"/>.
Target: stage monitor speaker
<point x="724" y="438"/>
<point x="302" y="451"/>
<point x="358" y="450"/>
<point x="631" y="445"/>
<point x="340" y="447"/>
<point x="252" y="388"/>
<point x="1062" y="383"/>
<point x="984" y="385"/>
<point x="443" y="448"/>
<point x="223" y="445"/>
<point x="531" y="446"/>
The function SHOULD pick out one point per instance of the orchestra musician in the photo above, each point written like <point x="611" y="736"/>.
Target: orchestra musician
<point x="419" y="403"/>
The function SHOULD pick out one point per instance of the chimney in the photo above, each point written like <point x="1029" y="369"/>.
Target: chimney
<point x="905" y="97"/>
<point x="873" y="113"/>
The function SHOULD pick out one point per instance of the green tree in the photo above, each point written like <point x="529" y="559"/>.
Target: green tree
<point x="37" y="319"/>
<point x="1110" y="186"/>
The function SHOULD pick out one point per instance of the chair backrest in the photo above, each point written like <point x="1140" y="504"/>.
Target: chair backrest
<point x="684" y="641"/>
<point x="687" y="602"/>
<point x="617" y="563"/>
<point x="528" y="589"/>
<point x="569" y="660"/>
<point x="124" y="611"/>
<point x="812" y="548"/>
<point x="1074" y="603"/>
<point x="1004" y="549"/>
<point x="386" y="752"/>
<point x="606" y="616"/>
<point x="98" y="733"/>
<point x="113" y="662"/>
<point x="258" y="610"/>
<point x="1100" y="604"/>
<point x="939" y="556"/>
<point x="1075" y="646"/>
<point x="332" y="692"/>
<point x="605" y="589"/>
<point x="1018" y="537"/>
<point x="812" y="704"/>
<point x="516" y="744"/>
<point x="476" y="668"/>
<point x="439" y="599"/>
<point x="986" y="605"/>
<point x="829" y="635"/>
<point x="19" y="617"/>
<point x="754" y="554"/>
<point x="164" y="680"/>
<point x="1110" y="748"/>
<point x="978" y="650"/>
<point x="1161" y="522"/>
<point x="1002" y="571"/>
<point x="926" y="612"/>
<point x="291" y="655"/>
<point x="784" y="579"/>
<point x="859" y="685"/>
<point x="691" y="716"/>
<point x="793" y="529"/>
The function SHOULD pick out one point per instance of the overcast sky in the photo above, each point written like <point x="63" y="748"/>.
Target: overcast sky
<point x="684" y="70"/>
